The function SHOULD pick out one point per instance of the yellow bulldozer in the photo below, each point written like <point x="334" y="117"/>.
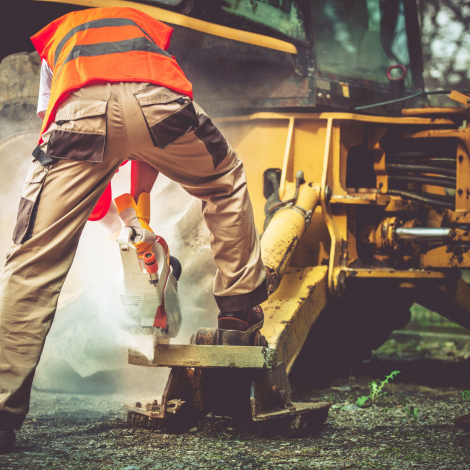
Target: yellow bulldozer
<point x="359" y="187"/>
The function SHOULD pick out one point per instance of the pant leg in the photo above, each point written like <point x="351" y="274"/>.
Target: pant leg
<point x="207" y="167"/>
<point x="60" y="199"/>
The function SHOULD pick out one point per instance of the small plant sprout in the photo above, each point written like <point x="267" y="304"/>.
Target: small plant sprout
<point x="412" y="412"/>
<point x="361" y="401"/>
<point x="465" y="394"/>
<point x="376" y="390"/>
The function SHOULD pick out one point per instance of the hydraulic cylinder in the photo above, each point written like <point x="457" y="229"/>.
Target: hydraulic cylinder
<point x="285" y="230"/>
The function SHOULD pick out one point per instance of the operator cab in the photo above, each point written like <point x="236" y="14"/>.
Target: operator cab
<point x="344" y="51"/>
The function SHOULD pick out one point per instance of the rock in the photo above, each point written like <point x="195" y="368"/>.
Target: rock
<point x="463" y="422"/>
<point x="19" y="79"/>
<point x="193" y="430"/>
<point x="344" y="388"/>
<point x="351" y="407"/>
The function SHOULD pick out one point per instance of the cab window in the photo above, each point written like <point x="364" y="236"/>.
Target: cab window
<point x="361" y="38"/>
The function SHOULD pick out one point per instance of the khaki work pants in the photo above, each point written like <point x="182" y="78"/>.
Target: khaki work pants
<point x="96" y="129"/>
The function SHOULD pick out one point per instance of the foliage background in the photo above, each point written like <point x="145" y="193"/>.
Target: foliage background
<point x="446" y="43"/>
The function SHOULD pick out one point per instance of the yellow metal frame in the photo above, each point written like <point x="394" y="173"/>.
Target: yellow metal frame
<point x="188" y="22"/>
<point x="291" y="311"/>
<point x="326" y="254"/>
<point x="318" y="144"/>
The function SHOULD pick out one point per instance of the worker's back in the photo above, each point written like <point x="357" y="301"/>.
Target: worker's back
<point x="107" y="45"/>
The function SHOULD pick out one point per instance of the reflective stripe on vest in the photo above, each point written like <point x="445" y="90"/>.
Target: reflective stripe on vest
<point x="105" y="48"/>
<point x="104" y="23"/>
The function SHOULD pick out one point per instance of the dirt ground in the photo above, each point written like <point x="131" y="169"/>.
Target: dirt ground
<point x="90" y="432"/>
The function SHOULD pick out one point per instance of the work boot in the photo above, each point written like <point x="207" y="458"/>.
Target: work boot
<point x="7" y="441"/>
<point x="236" y="328"/>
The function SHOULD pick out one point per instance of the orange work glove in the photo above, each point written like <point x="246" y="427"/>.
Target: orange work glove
<point x="137" y="217"/>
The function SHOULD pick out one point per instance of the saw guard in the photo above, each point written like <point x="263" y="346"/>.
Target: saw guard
<point x="152" y="304"/>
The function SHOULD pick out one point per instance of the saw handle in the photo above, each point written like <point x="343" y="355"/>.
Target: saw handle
<point x="176" y="268"/>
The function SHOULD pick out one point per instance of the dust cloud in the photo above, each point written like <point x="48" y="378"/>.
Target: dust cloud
<point x="86" y="349"/>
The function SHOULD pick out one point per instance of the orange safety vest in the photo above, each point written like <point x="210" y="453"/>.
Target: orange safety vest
<point x="106" y="45"/>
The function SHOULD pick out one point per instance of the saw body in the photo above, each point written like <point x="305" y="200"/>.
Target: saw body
<point x="148" y="287"/>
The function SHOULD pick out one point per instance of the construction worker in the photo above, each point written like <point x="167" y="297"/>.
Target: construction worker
<point x="115" y="94"/>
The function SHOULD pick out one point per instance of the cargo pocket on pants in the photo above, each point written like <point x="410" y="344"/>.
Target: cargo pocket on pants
<point x="215" y="142"/>
<point x="29" y="202"/>
<point x="79" y="131"/>
<point x="169" y="115"/>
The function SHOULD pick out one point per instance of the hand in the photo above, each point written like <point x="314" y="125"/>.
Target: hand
<point x="137" y="217"/>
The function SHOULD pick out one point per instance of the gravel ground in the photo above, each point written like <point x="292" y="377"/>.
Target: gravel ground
<point x="90" y="432"/>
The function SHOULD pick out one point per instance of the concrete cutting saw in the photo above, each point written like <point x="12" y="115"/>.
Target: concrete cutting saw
<point x="148" y="287"/>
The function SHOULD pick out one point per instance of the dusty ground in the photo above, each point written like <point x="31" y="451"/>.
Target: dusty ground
<point x="90" y="432"/>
